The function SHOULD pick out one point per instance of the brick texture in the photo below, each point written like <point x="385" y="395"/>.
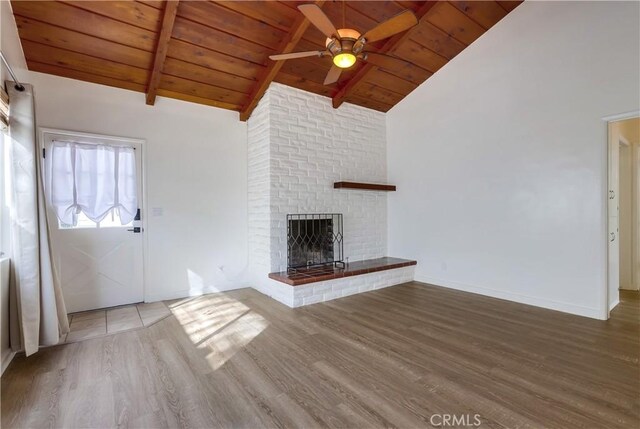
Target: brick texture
<point x="338" y="288"/>
<point x="299" y="145"/>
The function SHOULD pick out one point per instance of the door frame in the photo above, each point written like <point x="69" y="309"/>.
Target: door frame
<point x="605" y="209"/>
<point x="43" y="131"/>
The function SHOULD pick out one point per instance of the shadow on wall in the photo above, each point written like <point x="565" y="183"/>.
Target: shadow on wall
<point x="220" y="282"/>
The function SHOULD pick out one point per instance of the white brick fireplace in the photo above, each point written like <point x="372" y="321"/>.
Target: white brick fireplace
<point x="299" y="145"/>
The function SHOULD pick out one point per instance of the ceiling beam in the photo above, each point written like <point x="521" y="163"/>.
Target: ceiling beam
<point x="392" y="43"/>
<point x="287" y="45"/>
<point x="169" y="17"/>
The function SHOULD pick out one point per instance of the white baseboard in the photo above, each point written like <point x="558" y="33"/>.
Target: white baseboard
<point x="6" y="360"/>
<point x="578" y="310"/>
<point x="614" y="304"/>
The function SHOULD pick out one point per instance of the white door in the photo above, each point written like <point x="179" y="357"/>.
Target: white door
<point x="99" y="264"/>
<point x="613" y="198"/>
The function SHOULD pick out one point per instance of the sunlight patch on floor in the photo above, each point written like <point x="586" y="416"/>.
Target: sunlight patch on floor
<point x="219" y="324"/>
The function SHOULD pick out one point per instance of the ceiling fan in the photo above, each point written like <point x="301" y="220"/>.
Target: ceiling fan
<point x="346" y="45"/>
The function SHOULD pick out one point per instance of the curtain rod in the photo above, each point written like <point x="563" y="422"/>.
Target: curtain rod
<point x="18" y="85"/>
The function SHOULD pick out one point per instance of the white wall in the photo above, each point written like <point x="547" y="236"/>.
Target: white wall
<point x="500" y="157"/>
<point x="195" y="172"/>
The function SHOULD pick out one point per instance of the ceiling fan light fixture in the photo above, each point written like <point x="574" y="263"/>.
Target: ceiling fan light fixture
<point x="344" y="60"/>
<point x="341" y="49"/>
<point x="346" y="45"/>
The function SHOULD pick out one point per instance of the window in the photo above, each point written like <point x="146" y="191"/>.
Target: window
<point x="91" y="184"/>
<point x="5" y="195"/>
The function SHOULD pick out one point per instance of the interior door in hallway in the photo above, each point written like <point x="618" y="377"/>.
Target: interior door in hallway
<point x="613" y="219"/>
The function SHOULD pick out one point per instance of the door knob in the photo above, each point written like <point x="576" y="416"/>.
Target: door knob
<point x="135" y="230"/>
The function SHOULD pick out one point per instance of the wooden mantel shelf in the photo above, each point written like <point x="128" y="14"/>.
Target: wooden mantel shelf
<point x="365" y="186"/>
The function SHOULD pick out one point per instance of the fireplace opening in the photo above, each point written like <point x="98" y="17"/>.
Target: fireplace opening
<point x="314" y="240"/>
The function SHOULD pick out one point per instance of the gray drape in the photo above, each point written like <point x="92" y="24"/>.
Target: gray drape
<point x="37" y="311"/>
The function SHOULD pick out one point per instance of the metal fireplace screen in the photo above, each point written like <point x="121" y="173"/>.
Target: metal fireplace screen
<point x="314" y="239"/>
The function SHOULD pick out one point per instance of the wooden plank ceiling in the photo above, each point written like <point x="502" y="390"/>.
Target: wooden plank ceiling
<point x="216" y="52"/>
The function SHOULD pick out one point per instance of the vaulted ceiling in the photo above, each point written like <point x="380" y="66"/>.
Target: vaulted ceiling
<point x="216" y="52"/>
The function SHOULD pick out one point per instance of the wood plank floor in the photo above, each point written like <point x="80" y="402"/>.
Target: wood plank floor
<point x="390" y="358"/>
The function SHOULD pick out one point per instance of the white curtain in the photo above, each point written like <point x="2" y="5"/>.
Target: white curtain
<point x="94" y="179"/>
<point x="37" y="312"/>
